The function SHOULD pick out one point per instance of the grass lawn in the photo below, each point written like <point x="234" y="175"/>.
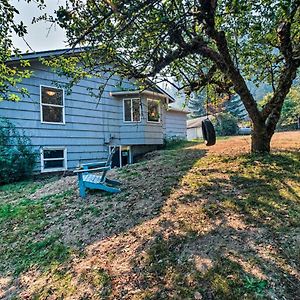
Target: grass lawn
<point x="191" y="222"/>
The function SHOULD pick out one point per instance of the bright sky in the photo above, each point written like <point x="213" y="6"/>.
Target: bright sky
<point x="39" y="37"/>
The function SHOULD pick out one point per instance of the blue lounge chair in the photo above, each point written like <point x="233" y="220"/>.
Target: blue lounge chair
<point x="86" y="180"/>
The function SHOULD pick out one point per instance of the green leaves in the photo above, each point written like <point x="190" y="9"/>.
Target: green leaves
<point x="255" y="285"/>
<point x="290" y="109"/>
<point x="154" y="38"/>
<point x="12" y="74"/>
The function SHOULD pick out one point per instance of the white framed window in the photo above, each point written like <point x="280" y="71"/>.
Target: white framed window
<point x="52" y="105"/>
<point x="53" y="159"/>
<point x="132" y="110"/>
<point x="153" y="111"/>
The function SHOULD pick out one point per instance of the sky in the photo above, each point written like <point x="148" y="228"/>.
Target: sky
<point x="39" y="36"/>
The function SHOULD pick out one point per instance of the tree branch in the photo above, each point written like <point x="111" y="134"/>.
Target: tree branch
<point x="228" y="66"/>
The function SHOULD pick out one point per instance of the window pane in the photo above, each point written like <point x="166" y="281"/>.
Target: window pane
<point x="136" y="109"/>
<point x="53" y="153"/>
<point x="153" y="111"/>
<point x="51" y="164"/>
<point x="52" y="114"/>
<point x="52" y="96"/>
<point x="127" y="110"/>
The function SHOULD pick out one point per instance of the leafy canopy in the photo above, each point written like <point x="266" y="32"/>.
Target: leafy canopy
<point x="11" y="74"/>
<point x="290" y="109"/>
<point x="179" y="39"/>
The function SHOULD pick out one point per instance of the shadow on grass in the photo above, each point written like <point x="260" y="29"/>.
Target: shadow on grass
<point x="49" y="231"/>
<point x="183" y="228"/>
<point x="229" y="240"/>
<point x="263" y="191"/>
<point x="170" y="271"/>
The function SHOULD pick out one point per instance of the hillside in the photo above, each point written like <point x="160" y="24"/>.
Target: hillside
<point x="191" y="222"/>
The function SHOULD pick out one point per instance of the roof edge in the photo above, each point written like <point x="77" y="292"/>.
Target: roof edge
<point x="173" y="109"/>
<point x="45" y="53"/>
<point x="71" y="51"/>
<point x="145" y="92"/>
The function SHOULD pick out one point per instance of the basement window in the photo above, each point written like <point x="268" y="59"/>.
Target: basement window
<point x="53" y="159"/>
<point x="52" y="105"/>
<point x="132" y="110"/>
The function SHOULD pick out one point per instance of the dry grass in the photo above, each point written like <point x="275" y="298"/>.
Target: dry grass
<point x="193" y="223"/>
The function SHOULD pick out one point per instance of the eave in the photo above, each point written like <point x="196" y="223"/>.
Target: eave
<point x="143" y="92"/>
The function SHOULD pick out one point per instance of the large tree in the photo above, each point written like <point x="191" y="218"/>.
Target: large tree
<point x="201" y="42"/>
<point x="290" y="113"/>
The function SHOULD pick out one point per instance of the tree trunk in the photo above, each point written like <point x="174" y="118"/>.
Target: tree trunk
<point x="261" y="139"/>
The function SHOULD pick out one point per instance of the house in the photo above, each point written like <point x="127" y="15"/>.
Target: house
<point x="69" y="129"/>
<point x="194" y="128"/>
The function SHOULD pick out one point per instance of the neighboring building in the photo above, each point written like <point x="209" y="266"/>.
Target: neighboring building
<point x="194" y="128"/>
<point x="71" y="129"/>
<point x="176" y="123"/>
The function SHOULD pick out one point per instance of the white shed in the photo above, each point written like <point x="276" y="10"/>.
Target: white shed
<point x="194" y="128"/>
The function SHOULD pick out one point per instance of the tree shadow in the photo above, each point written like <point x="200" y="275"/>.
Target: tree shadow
<point x="264" y="193"/>
<point x="181" y="229"/>
<point x="217" y="267"/>
<point x="70" y="222"/>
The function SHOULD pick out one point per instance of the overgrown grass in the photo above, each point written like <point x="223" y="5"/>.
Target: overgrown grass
<point x="175" y="144"/>
<point x="22" y="224"/>
<point x="202" y="226"/>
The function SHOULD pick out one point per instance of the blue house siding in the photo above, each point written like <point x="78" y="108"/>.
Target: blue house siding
<point x="88" y="122"/>
<point x="143" y="132"/>
<point x="91" y="125"/>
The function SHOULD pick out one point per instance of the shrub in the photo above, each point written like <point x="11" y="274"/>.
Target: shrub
<point x="225" y="124"/>
<point x="172" y="143"/>
<point x="290" y="110"/>
<point x="17" y="159"/>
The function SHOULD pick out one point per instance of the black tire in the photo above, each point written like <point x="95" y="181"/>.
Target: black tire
<point x="208" y="132"/>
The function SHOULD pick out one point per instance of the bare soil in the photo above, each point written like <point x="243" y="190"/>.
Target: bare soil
<point x="192" y="223"/>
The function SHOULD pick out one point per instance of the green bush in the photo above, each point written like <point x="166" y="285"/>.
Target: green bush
<point x="172" y="143"/>
<point x="225" y="124"/>
<point x="17" y="159"/>
<point x="290" y="110"/>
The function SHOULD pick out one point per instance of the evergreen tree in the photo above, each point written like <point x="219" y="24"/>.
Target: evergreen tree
<point x="236" y="107"/>
<point x="197" y="106"/>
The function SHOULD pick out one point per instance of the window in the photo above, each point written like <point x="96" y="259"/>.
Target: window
<point x="53" y="159"/>
<point x="132" y="110"/>
<point x="52" y="105"/>
<point x="153" y="111"/>
<point x="122" y="156"/>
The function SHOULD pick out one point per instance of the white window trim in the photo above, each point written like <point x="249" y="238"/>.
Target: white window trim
<point x="43" y="170"/>
<point x="120" y="153"/>
<point x="131" y="110"/>
<point x="159" y="111"/>
<point x="54" y="105"/>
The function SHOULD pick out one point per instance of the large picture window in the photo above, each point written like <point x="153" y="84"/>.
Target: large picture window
<point x="132" y="110"/>
<point x="52" y="105"/>
<point x="153" y="111"/>
<point x="53" y="159"/>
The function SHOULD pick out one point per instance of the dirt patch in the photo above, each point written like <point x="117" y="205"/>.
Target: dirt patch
<point x="205" y="223"/>
<point x="57" y="187"/>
